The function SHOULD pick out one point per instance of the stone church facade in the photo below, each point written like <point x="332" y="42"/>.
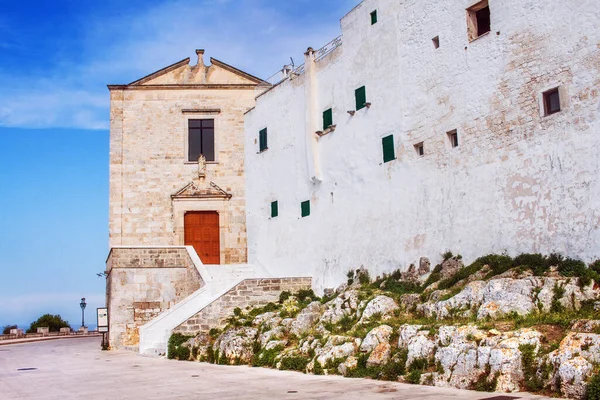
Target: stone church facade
<point x="427" y="126"/>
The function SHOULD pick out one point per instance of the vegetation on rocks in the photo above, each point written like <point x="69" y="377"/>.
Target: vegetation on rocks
<point x="498" y="324"/>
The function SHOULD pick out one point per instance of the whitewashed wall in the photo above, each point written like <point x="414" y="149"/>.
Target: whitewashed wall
<point x="518" y="182"/>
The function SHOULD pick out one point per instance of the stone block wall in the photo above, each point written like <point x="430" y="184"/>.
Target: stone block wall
<point x="142" y="283"/>
<point x="250" y="292"/>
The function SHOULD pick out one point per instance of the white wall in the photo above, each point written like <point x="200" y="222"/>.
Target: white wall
<point x="518" y="182"/>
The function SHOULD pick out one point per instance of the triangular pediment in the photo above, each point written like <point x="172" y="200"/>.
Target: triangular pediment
<point x="198" y="191"/>
<point x="182" y="73"/>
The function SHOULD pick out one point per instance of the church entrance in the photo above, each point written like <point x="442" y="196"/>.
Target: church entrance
<point x="201" y="230"/>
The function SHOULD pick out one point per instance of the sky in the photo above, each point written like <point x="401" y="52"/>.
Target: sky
<point x="56" y="58"/>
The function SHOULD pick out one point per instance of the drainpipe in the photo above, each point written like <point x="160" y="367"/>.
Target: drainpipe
<point x="312" y="123"/>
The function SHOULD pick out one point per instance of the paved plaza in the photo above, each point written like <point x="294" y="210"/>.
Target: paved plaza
<point x="78" y="369"/>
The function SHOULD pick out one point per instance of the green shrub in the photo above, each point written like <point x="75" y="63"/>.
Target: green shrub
<point x="363" y="277"/>
<point x="532" y="382"/>
<point x="7" y="328"/>
<point x="283" y="296"/>
<point x="294" y="363"/>
<point x="435" y="276"/>
<point x="54" y="322"/>
<point x="266" y="358"/>
<point x="484" y="383"/>
<point x="536" y="262"/>
<point x="593" y="388"/>
<point x="595" y="266"/>
<point x="572" y="267"/>
<point x="447" y="255"/>
<point x="557" y="293"/>
<point x="175" y="350"/>
<point x="269" y="307"/>
<point x="414" y="376"/>
<point x="237" y="312"/>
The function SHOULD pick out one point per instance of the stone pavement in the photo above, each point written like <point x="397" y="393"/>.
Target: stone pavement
<point x="78" y="369"/>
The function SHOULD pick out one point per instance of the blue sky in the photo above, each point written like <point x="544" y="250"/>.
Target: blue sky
<point x="56" y="58"/>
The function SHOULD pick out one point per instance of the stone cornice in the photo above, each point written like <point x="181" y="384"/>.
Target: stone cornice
<point x="204" y="86"/>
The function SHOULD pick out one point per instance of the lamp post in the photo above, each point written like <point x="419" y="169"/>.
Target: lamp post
<point x="82" y="305"/>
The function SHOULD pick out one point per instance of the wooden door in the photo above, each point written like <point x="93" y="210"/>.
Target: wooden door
<point x="202" y="232"/>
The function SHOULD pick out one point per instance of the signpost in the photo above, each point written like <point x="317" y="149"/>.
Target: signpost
<point x="102" y="322"/>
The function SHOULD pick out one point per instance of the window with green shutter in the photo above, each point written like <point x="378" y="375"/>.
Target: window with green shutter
<point x="327" y="118"/>
<point x="274" y="209"/>
<point x="305" y="206"/>
<point x="374" y="17"/>
<point x="360" y="95"/>
<point x="388" y="148"/>
<point x="262" y="140"/>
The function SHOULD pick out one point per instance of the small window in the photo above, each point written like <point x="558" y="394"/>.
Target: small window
<point x="305" y="208"/>
<point x="453" y="138"/>
<point x="360" y="96"/>
<point x="551" y="101"/>
<point x="373" y="17"/>
<point x="388" y="148"/>
<point x="436" y="42"/>
<point x="478" y="20"/>
<point x="327" y="118"/>
<point x="201" y="139"/>
<point x="274" y="209"/>
<point x="420" y="149"/>
<point x="262" y="140"/>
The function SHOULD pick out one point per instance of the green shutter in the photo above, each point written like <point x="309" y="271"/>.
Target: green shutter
<point x="360" y="95"/>
<point x="305" y="208"/>
<point x="274" y="209"/>
<point x="388" y="148"/>
<point x="262" y="139"/>
<point x="327" y="118"/>
<point x="374" y="17"/>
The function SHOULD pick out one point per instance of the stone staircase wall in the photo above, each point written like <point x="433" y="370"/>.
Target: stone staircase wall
<point x="249" y="292"/>
<point x="143" y="282"/>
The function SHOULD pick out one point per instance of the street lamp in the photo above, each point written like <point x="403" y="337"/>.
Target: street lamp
<point x="82" y="305"/>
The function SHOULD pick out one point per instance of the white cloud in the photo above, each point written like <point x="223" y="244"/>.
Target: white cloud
<point x="249" y="34"/>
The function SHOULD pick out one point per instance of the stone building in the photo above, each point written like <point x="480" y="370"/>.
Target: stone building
<point x="461" y="125"/>
<point x="177" y="196"/>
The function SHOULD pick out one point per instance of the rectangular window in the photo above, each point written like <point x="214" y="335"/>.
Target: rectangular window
<point x="327" y="118"/>
<point x="453" y="138"/>
<point x="305" y="208"/>
<point x="274" y="209"/>
<point x="201" y="139"/>
<point x="262" y="140"/>
<point x="478" y="20"/>
<point x="360" y="95"/>
<point x="551" y="101"/>
<point x="374" y="17"/>
<point x="388" y="148"/>
<point x="436" y="42"/>
<point x="420" y="149"/>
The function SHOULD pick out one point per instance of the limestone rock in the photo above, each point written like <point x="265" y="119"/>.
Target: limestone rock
<point x="586" y="325"/>
<point x="276" y="343"/>
<point x="410" y="300"/>
<point x="306" y="319"/>
<point x="348" y="365"/>
<point x="344" y="305"/>
<point x="269" y="320"/>
<point x="267" y="336"/>
<point x="407" y="332"/>
<point x="376" y="336"/>
<point x="424" y="266"/>
<point x="420" y="346"/>
<point x="236" y="345"/>
<point x="450" y="267"/>
<point x="381" y="305"/>
<point x="336" y="347"/>
<point x="380" y="355"/>
<point x="573" y="375"/>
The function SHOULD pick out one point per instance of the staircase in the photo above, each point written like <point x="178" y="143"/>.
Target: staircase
<point x="218" y="281"/>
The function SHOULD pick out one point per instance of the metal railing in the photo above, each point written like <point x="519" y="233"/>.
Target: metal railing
<point x="289" y="70"/>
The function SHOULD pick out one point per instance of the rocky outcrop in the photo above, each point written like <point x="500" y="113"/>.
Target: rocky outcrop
<point x="380" y="306"/>
<point x="346" y="304"/>
<point x="236" y="345"/>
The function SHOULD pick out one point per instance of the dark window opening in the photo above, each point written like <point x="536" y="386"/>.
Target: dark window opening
<point x="453" y="137"/>
<point x="201" y="139"/>
<point x="262" y="140"/>
<point x="478" y="20"/>
<point x="360" y="95"/>
<point x="388" y="148"/>
<point x="327" y="118"/>
<point x="374" y="17"/>
<point x="305" y="208"/>
<point x="274" y="209"/>
<point x="436" y="42"/>
<point x="551" y="101"/>
<point x="420" y="149"/>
